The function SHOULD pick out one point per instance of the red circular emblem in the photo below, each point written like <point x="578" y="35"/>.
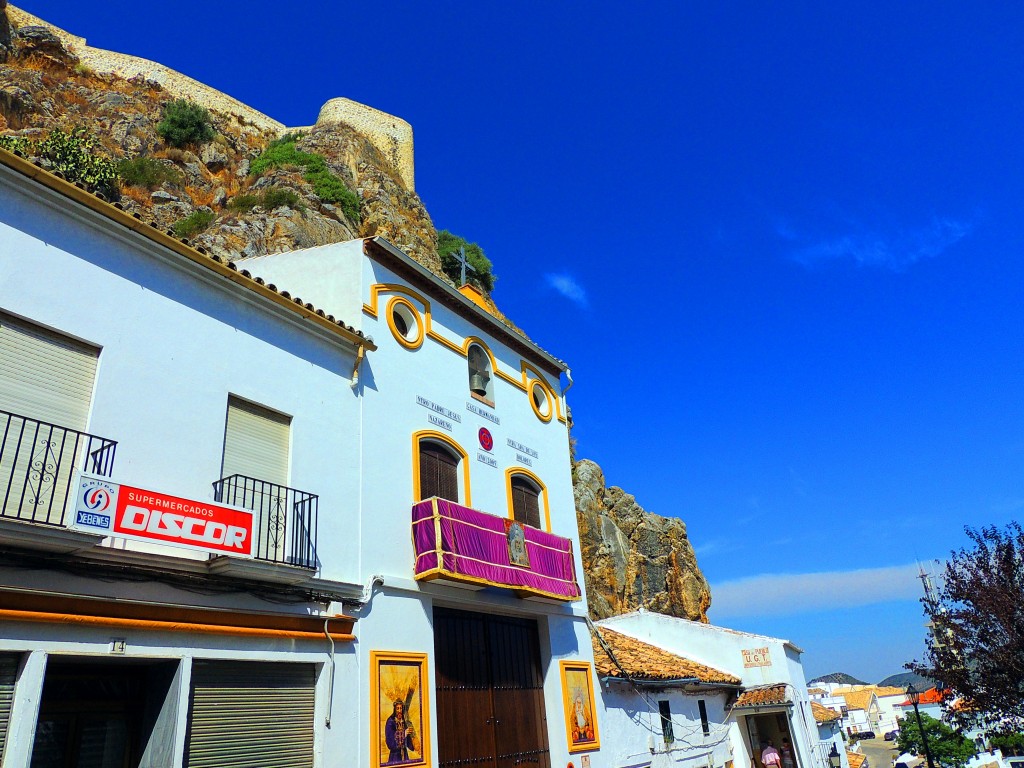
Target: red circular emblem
<point x="486" y="441"/>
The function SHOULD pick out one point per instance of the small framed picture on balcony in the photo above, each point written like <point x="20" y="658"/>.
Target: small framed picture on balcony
<point x="578" y="703"/>
<point x="399" y="702"/>
<point x="515" y="535"/>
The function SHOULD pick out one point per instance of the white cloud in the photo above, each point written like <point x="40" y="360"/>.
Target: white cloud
<point x="896" y="251"/>
<point x="568" y="287"/>
<point x="793" y="593"/>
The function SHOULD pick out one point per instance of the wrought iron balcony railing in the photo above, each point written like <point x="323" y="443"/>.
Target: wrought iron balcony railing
<point x="37" y="465"/>
<point x="285" y="518"/>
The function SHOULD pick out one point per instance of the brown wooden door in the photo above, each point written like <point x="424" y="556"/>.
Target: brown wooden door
<point x="490" y="698"/>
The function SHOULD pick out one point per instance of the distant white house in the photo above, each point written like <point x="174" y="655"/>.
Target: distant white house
<point x="744" y="690"/>
<point x="830" y="731"/>
<point x="862" y="712"/>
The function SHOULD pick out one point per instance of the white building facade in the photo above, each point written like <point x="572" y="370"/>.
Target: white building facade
<point x="768" y="700"/>
<point x="237" y="531"/>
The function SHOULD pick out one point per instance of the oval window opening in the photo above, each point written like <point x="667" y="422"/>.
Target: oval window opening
<point x="540" y="400"/>
<point x="405" y="323"/>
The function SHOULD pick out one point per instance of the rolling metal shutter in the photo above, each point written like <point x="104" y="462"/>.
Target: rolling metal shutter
<point x="8" y="674"/>
<point x="256" y="443"/>
<point x="251" y="715"/>
<point x="45" y="376"/>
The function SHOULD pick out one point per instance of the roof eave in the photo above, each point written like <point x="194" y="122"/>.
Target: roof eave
<point x="456" y="297"/>
<point x="215" y="264"/>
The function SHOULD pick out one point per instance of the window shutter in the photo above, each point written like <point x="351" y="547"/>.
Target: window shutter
<point x="525" y="501"/>
<point x="8" y="674"/>
<point x="439" y="473"/>
<point x="45" y="376"/>
<point x="246" y="714"/>
<point x="256" y="443"/>
<point x="48" y="378"/>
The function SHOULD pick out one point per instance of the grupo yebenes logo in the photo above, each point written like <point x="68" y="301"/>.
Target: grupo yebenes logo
<point x="97" y="499"/>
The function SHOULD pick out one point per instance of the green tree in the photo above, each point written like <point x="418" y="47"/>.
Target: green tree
<point x="976" y="647"/>
<point x="448" y="245"/>
<point x="185" y="123"/>
<point x="949" y="748"/>
<point x="1008" y="743"/>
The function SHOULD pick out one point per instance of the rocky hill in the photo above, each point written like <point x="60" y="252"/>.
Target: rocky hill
<point x="837" y="677"/>
<point x="633" y="558"/>
<point x="903" y="679"/>
<point x="44" y="86"/>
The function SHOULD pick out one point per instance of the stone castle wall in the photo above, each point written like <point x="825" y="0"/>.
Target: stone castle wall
<point x="392" y="136"/>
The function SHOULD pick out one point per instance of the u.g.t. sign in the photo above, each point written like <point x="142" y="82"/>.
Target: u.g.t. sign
<point x="757" y="657"/>
<point x="135" y="513"/>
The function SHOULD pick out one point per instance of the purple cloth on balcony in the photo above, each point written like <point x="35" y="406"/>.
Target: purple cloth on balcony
<point x="473" y="548"/>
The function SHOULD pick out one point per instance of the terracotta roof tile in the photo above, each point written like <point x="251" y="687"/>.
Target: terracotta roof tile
<point x="765" y="695"/>
<point x="817" y="691"/>
<point x="890" y="690"/>
<point x="857" y="759"/>
<point x="931" y="696"/>
<point x="823" y="714"/>
<point x="648" y="662"/>
<point x="858" y="699"/>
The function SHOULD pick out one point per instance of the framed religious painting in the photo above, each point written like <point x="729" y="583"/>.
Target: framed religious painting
<point x="578" y="704"/>
<point x="399" y="702"/>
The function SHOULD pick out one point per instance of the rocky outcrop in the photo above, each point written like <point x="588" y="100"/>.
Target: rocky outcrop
<point x="633" y="558"/>
<point x="44" y="85"/>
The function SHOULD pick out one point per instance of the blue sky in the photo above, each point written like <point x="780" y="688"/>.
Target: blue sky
<point x="778" y="244"/>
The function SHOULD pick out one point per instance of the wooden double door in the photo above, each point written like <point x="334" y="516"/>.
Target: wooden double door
<point x="490" y="697"/>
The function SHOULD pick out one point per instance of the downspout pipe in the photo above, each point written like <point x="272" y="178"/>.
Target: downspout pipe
<point x="330" y="682"/>
<point x="360" y="354"/>
<point x="367" y="593"/>
<point x="364" y="599"/>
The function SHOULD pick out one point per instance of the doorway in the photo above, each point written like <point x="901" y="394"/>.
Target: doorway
<point x="775" y="727"/>
<point x="490" y="697"/>
<point x="103" y="714"/>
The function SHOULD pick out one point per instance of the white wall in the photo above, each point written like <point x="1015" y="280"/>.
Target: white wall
<point x="175" y="343"/>
<point x="722" y="648"/>
<point x="390" y="381"/>
<point x="633" y="731"/>
<point x="888" y="712"/>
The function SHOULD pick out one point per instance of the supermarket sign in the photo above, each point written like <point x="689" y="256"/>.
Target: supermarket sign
<point x="135" y="513"/>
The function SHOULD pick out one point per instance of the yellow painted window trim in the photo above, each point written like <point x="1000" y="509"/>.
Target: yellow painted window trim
<point x="525" y="369"/>
<point x="549" y="397"/>
<point x="417" y="341"/>
<point x="440" y="437"/>
<point x="509" y="474"/>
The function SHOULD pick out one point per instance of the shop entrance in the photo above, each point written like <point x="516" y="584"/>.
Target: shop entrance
<point x="103" y="714"/>
<point x="774" y="726"/>
<point x="490" y="698"/>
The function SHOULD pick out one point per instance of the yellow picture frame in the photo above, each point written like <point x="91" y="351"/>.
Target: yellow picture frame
<point x="399" y="709"/>
<point x="581" y="730"/>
